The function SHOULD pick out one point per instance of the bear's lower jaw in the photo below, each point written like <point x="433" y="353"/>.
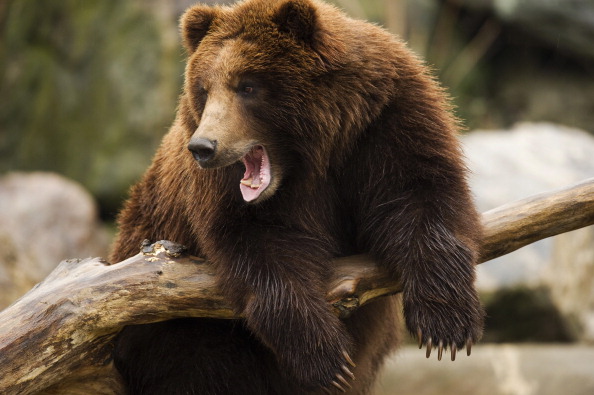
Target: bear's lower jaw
<point x="257" y="173"/>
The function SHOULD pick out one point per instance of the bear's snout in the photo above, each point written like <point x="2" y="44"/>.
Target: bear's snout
<point x="202" y="149"/>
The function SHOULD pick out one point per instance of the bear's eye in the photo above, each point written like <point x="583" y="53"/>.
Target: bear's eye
<point x="202" y="91"/>
<point x="246" y="89"/>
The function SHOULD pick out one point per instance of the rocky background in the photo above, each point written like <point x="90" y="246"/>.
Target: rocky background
<point x="87" y="90"/>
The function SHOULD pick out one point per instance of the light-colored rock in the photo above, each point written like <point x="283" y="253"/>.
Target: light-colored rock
<point x="510" y="165"/>
<point x="571" y="280"/>
<point x="530" y="159"/>
<point x="44" y="218"/>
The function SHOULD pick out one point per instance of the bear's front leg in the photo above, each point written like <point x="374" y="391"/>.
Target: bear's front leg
<point x="307" y="339"/>
<point x="284" y="306"/>
<point x="435" y="262"/>
<point x="441" y="305"/>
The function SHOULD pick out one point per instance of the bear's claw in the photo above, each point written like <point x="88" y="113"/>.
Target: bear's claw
<point x="334" y="383"/>
<point x="340" y="382"/>
<point x="440" y="350"/>
<point x="468" y="346"/>
<point x="441" y="346"/>
<point x="429" y="348"/>
<point x="348" y="359"/>
<point x="348" y="372"/>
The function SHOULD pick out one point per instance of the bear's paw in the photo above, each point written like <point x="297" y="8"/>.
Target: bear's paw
<point x="444" y="325"/>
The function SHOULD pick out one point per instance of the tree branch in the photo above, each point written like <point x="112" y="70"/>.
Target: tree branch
<point x="515" y="225"/>
<point x="57" y="338"/>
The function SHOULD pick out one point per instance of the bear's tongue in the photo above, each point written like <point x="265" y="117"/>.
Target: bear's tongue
<point x="257" y="173"/>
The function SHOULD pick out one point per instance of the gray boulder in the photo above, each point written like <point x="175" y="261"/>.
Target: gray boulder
<point x="530" y="159"/>
<point x="44" y="218"/>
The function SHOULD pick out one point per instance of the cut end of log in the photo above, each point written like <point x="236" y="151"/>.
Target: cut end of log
<point x="171" y="249"/>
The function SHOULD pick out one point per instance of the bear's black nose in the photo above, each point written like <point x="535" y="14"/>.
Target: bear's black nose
<point x="202" y="149"/>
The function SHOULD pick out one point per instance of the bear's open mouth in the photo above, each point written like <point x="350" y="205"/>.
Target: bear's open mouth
<point x="257" y="173"/>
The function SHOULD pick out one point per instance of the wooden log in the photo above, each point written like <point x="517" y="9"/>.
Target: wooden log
<point x="57" y="339"/>
<point x="523" y="222"/>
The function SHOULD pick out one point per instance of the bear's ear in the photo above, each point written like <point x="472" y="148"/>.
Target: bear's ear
<point x="194" y="25"/>
<point x="297" y="18"/>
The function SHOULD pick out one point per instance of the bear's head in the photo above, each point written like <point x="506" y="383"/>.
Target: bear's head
<point x="251" y="77"/>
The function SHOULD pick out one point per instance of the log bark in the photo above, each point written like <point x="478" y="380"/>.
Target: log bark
<point x="57" y="338"/>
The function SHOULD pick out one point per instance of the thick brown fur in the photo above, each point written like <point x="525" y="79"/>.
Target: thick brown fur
<point x="365" y="158"/>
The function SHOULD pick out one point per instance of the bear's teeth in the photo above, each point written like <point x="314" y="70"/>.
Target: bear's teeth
<point x="250" y="183"/>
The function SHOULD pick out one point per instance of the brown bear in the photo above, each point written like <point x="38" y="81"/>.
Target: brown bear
<point x="302" y="135"/>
